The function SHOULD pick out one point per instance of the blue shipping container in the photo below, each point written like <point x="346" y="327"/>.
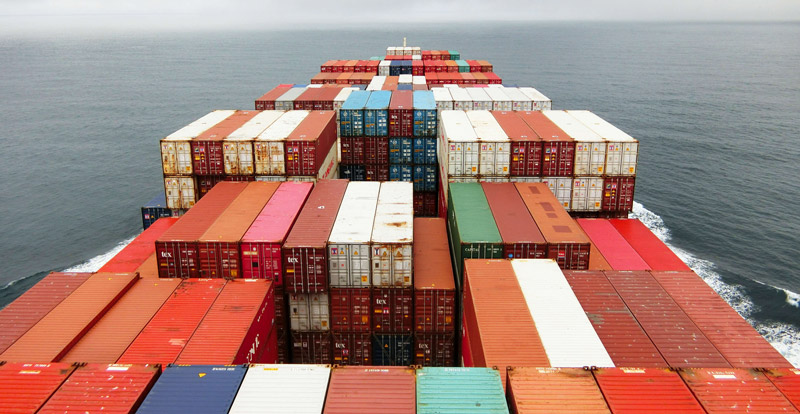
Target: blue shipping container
<point x="376" y="114"/>
<point x="390" y="349"/>
<point x="194" y="389"/>
<point x="394" y="67"/>
<point x="406" y="67"/>
<point x="299" y="86"/>
<point x="353" y="172"/>
<point x="405" y="87"/>
<point x="154" y="210"/>
<point x="425" y="178"/>
<point x="400" y="172"/>
<point x="400" y="150"/>
<point x="351" y="114"/>
<point x="460" y="390"/>
<point x="424" y="114"/>
<point x="424" y="151"/>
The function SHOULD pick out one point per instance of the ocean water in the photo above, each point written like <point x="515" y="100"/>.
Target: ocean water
<point x="715" y="106"/>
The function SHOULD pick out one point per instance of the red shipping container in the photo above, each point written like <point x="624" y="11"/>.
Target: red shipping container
<point x="281" y="326"/>
<point x="432" y="79"/>
<point x="788" y="381"/>
<point x="538" y="390"/>
<point x="485" y="66"/>
<point x="392" y="310"/>
<point x="325" y="99"/>
<point x="112" y="334"/>
<point x="360" y="65"/>
<point x="261" y="244"/>
<point x="269" y="353"/>
<point x="731" y="334"/>
<point x="434" y="349"/>
<point x="377" y="172"/>
<point x="657" y="254"/>
<point x="305" y="262"/>
<point x="466" y="347"/>
<point x="521" y="237"/>
<point x="376" y="152"/>
<point x="372" y="66"/>
<point x="350" y="65"/>
<point x="27" y="310"/>
<point x="352" y="150"/>
<point x="617" y="252"/>
<point x="164" y="337"/>
<point x="618" y="194"/>
<point x="103" y="388"/>
<point x="646" y="390"/>
<point x="352" y="348"/>
<point x="343" y="78"/>
<point x="401" y="114"/>
<point x="207" y="156"/>
<point x="218" y="249"/>
<point x="267" y="101"/>
<point x="624" y="339"/>
<point x="139" y="249"/>
<point x="350" y="309"/>
<point x="236" y="327"/>
<point x="474" y="66"/>
<point x="734" y="391"/>
<point x="434" y="285"/>
<point x="327" y="66"/>
<point x="558" y="148"/>
<point x="369" y="390"/>
<point x="493" y="78"/>
<point x="425" y="204"/>
<point x="306" y="99"/>
<point x="417" y="68"/>
<point x="206" y="183"/>
<point x="311" y="347"/>
<point x="24" y="388"/>
<point x="677" y="338"/>
<point x="526" y="146"/>
<point x="53" y="336"/>
<point x="177" y="247"/>
<point x="309" y="143"/>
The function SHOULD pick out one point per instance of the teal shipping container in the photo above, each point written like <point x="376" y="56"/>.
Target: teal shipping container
<point x="460" y="391"/>
<point x="463" y="66"/>
<point x="473" y="231"/>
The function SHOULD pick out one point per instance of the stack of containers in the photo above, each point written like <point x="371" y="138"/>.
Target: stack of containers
<point x="285" y="102"/>
<point x="423" y="154"/>
<point x="310" y="149"/>
<point x="521" y="236"/>
<point x="237" y="147"/>
<point x="539" y="102"/>
<point x="267" y="101"/>
<point x="525" y="160"/>
<point x="351" y="131"/>
<point x="376" y="136"/>
<point x="401" y="135"/>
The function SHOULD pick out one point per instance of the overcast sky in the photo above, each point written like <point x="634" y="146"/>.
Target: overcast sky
<point x="244" y="14"/>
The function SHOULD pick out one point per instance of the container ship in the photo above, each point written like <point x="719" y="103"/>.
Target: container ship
<point x="405" y="234"/>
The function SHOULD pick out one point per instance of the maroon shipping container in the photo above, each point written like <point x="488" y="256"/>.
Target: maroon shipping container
<point x="425" y="204"/>
<point x="376" y="152"/>
<point x="401" y="114"/>
<point x="558" y="148"/>
<point x="305" y="263"/>
<point x="378" y="172"/>
<point x="24" y="312"/>
<point x="733" y="336"/>
<point x="678" y="339"/>
<point x="311" y="348"/>
<point x="624" y="339"/>
<point x="267" y="101"/>
<point x="435" y="349"/>
<point x="392" y="310"/>
<point x="352" y="348"/>
<point x="735" y="390"/>
<point x="309" y="143"/>
<point x="176" y="249"/>
<point x="350" y="309"/>
<point x="24" y="388"/>
<point x="306" y="99"/>
<point x="417" y="68"/>
<point x="657" y="254"/>
<point x="206" y="183"/>
<point x="207" y="156"/>
<point x="526" y="146"/>
<point x="324" y="101"/>
<point x="389" y="390"/>
<point x="269" y="354"/>
<point x="788" y="381"/>
<point x="521" y="237"/>
<point x="646" y="390"/>
<point x="352" y="149"/>
<point x="434" y="285"/>
<point x="327" y="66"/>
<point x="618" y="194"/>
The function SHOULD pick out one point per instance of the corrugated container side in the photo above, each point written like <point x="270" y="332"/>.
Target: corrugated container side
<point x="657" y="254"/>
<point x="391" y="390"/>
<point x="435" y="349"/>
<point x="535" y="390"/>
<point x="596" y="260"/>
<point x="619" y="254"/>
<point x="392" y="349"/>
<point x="350" y="309"/>
<point x="434" y="285"/>
<point x="392" y="310"/>
<point x="53" y="336"/>
<point x="460" y="390"/>
<point x="311" y="347"/>
<point x="176" y="152"/>
<point x="472" y="227"/>
<point x="788" y="381"/>
<point x="24" y="388"/>
<point x="195" y="389"/>
<point x="309" y="144"/>
<point x="623" y="150"/>
<point x="558" y="148"/>
<point x="376" y="114"/>
<point x="618" y="194"/>
<point x="269" y="147"/>
<point x="521" y="237"/>
<point x="297" y="389"/>
<point x="267" y="101"/>
<point x="349" y="242"/>
<point x="237" y="147"/>
<point x="458" y="145"/>
<point x="425" y="114"/>
<point x="735" y="390"/>
<point x="309" y="311"/>
<point x="352" y="348"/>
<point x="401" y="114"/>
<point x="285" y="102"/>
<point x="139" y="249"/>
<point x="392" y="236"/>
<point x="154" y="210"/>
<point x="494" y="145"/>
<point x="587" y="194"/>
<point x="590" y="148"/>
<point x="526" y="146"/>
<point x="207" y="154"/>
<point x="645" y="390"/>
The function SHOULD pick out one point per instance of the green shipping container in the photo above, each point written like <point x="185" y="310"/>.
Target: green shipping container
<point x="460" y="391"/>
<point x="473" y="232"/>
<point x="454" y="55"/>
<point x="463" y="66"/>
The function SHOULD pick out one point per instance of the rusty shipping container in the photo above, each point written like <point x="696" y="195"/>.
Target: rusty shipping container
<point x="735" y="390"/>
<point x="521" y="237"/>
<point x="391" y="244"/>
<point x="435" y="349"/>
<point x="350" y="309"/>
<point x="207" y="154"/>
<point x="434" y="285"/>
<point x="788" y="381"/>
<point x="392" y="310"/>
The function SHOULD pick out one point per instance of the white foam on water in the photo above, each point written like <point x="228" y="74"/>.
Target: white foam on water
<point x="95" y="263"/>
<point x="783" y="337"/>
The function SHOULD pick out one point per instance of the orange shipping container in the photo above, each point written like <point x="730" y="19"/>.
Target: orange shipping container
<point x="26" y="387"/>
<point x="434" y="285"/>
<point x="550" y="390"/>
<point x="54" y="335"/>
<point x="596" y="260"/>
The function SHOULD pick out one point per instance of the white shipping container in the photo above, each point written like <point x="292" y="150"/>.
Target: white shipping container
<point x="383" y="67"/>
<point x="590" y="148"/>
<point x="458" y="144"/>
<point x="623" y="150"/>
<point x="271" y="178"/>
<point x="495" y="179"/>
<point x="500" y="100"/>
<point x="494" y="146"/>
<point x="418" y="80"/>
<point x="416" y="57"/>
<point x="338" y="101"/>
<point x="566" y="333"/>
<point x="176" y="151"/>
<point x="461" y="99"/>
<point x="314" y="86"/>
<point x="519" y="101"/>
<point x="416" y="51"/>
<point x="309" y="311"/>
<point x="286" y="101"/>
<point x="587" y="194"/>
<point x="269" y="149"/>
<point x="540" y="102"/>
<point x="561" y="187"/>
<point x="480" y="99"/>
<point x="282" y="389"/>
<point x="180" y="192"/>
<point x="349" y="260"/>
<point x="237" y="148"/>
<point x="391" y="50"/>
<point x="392" y="235"/>
<point x="443" y="98"/>
<point x="404" y="79"/>
<point x="376" y="83"/>
<point x="406" y="51"/>
<point x="525" y="179"/>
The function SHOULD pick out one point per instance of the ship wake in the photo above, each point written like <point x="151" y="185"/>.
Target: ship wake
<point x="95" y="263"/>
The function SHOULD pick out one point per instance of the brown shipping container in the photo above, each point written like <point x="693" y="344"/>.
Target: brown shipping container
<point x="387" y="390"/>
<point x="207" y="155"/>
<point x="218" y="249"/>
<point x="566" y="242"/>
<point x="733" y="336"/>
<point x="521" y="237"/>
<point x="500" y="326"/>
<point x="324" y="101"/>
<point x="434" y="285"/>
<point x="558" y="148"/>
<point x="112" y="334"/>
<point x="622" y="336"/>
<point x="206" y="183"/>
<point x="788" y="381"/>
<point x="376" y="152"/>
<point x="281" y="324"/>
<point x="618" y="194"/>
<point x="305" y="264"/>
<point x="267" y="101"/>
<point x="311" y="347"/>
<point x="646" y="390"/>
<point x="539" y="390"/>
<point x="526" y="145"/>
<point x="177" y="247"/>
<point x="24" y="312"/>
<point x="352" y="150"/>
<point x="735" y="390"/>
<point x="390" y="84"/>
<point x="309" y="143"/>
<point x="306" y="99"/>
<point x="54" y="335"/>
<point x="401" y="114"/>
<point x="392" y="310"/>
<point x="352" y="348"/>
<point x="24" y="388"/>
<point x="596" y="260"/>
<point x="677" y="338"/>
<point x="350" y="309"/>
<point x="435" y="349"/>
<point x="149" y="269"/>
